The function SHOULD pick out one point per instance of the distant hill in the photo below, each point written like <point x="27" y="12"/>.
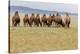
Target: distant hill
<point x="31" y="10"/>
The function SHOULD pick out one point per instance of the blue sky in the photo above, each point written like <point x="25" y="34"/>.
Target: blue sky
<point x="72" y="8"/>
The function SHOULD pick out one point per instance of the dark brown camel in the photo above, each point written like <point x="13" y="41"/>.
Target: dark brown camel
<point x="16" y="19"/>
<point x="26" y="20"/>
<point x="31" y="20"/>
<point x="44" y="20"/>
<point x="37" y="20"/>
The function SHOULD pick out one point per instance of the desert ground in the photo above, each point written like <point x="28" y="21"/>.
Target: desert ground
<point x="35" y="39"/>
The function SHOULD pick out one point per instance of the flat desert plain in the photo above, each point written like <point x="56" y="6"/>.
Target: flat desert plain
<point x="35" y="39"/>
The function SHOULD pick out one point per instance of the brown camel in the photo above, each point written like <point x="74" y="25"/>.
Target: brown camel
<point x="31" y="20"/>
<point x="16" y="19"/>
<point x="67" y="23"/>
<point x="49" y="20"/>
<point x="44" y="20"/>
<point x="26" y="20"/>
<point x="58" y="20"/>
<point x="37" y="20"/>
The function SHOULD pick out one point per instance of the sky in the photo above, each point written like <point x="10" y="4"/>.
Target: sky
<point x="72" y="8"/>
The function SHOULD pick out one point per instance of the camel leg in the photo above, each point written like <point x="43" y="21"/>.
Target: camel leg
<point x="18" y="24"/>
<point x="68" y="26"/>
<point x="37" y="25"/>
<point x="40" y="24"/>
<point x="43" y="24"/>
<point x="30" y="24"/>
<point x="24" y="24"/>
<point x="15" y="24"/>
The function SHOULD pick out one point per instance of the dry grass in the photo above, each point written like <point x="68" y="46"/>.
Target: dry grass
<point x="26" y="39"/>
<point x="32" y="39"/>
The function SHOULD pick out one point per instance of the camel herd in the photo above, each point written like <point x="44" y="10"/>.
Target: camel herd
<point x="43" y="21"/>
